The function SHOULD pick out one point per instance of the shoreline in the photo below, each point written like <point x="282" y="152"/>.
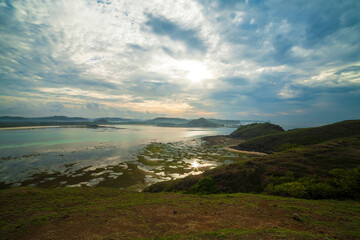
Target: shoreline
<point x="28" y="127"/>
<point x="55" y="126"/>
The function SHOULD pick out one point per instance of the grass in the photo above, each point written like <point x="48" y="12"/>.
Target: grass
<point x="240" y="233"/>
<point x="105" y="213"/>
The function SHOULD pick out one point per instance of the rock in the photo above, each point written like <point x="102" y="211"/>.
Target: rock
<point x="174" y="212"/>
<point x="296" y="217"/>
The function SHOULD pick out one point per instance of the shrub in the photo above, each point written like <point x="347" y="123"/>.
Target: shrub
<point x="205" y="186"/>
<point x="291" y="189"/>
<point x="346" y="182"/>
<point x="340" y="183"/>
<point x="288" y="177"/>
<point x="288" y="146"/>
<point x="321" y="190"/>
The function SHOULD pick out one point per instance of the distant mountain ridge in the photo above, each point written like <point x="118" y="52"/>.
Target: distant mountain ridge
<point x="13" y="121"/>
<point x="116" y="119"/>
<point x="37" y="119"/>
<point x="202" y="122"/>
<point x="225" y="122"/>
<point x="163" y="120"/>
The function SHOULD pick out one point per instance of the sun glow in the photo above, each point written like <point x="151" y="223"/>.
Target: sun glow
<point x="196" y="71"/>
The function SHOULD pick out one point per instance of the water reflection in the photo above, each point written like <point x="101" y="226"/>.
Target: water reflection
<point x="195" y="165"/>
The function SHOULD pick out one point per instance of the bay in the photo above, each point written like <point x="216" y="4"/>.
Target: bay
<point x="128" y="157"/>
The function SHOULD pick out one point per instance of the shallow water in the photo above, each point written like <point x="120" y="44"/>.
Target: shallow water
<point x="123" y="156"/>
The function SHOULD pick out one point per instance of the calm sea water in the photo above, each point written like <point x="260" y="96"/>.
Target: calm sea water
<point x="29" y="152"/>
<point x="121" y="134"/>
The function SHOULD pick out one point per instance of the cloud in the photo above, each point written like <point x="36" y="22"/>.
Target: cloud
<point x="287" y="92"/>
<point x="55" y="107"/>
<point x="93" y="106"/>
<point x="181" y="58"/>
<point x="164" y="27"/>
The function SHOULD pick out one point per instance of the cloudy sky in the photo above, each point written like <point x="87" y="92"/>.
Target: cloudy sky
<point x="291" y="62"/>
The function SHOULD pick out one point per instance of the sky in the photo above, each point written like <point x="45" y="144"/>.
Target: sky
<point x="290" y="62"/>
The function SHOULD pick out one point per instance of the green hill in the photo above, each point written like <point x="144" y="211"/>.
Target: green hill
<point x="256" y="129"/>
<point x="301" y="164"/>
<point x="301" y="137"/>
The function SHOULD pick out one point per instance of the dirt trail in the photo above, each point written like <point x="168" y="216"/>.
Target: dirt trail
<point x="247" y="152"/>
<point x="228" y="142"/>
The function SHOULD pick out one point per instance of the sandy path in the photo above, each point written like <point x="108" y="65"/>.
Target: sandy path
<point x="247" y="152"/>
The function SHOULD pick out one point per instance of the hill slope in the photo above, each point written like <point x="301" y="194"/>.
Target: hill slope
<point x="303" y="137"/>
<point x="256" y="129"/>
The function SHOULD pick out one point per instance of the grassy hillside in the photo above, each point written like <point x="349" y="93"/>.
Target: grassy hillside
<point x="107" y="213"/>
<point x="301" y="137"/>
<point x="256" y="129"/>
<point x="301" y="164"/>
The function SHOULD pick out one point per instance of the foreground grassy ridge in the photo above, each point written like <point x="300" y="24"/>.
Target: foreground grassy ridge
<point x="254" y="175"/>
<point x="105" y="213"/>
<point x="301" y="137"/>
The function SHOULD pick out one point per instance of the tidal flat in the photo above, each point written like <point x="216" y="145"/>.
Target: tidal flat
<point x="130" y="158"/>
